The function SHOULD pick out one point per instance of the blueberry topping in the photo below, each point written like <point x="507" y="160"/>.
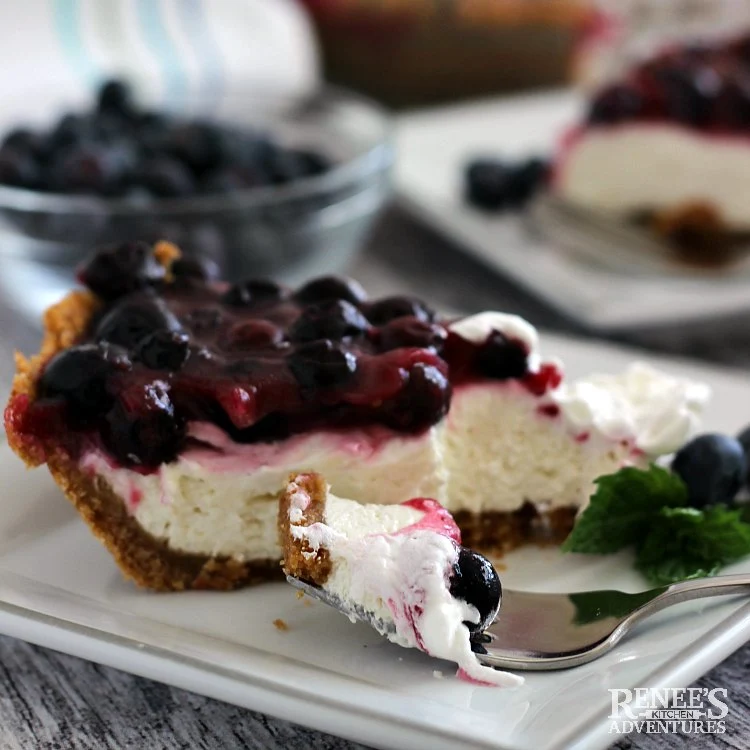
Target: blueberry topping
<point x="616" y="103"/>
<point x="121" y="269"/>
<point x="412" y="332"/>
<point x="204" y="320"/>
<point x="423" y="401"/>
<point x="713" y="467"/>
<point x="200" y="269"/>
<point x="163" y="350"/>
<point x="329" y="320"/>
<point x="322" y="364"/>
<point x="131" y="320"/>
<point x="79" y="375"/>
<point x="327" y="288"/>
<point x="502" y="358"/>
<point x="389" y="308"/>
<point x="142" y="428"/>
<point x="476" y="582"/>
<point x="253" y="334"/>
<point x="252" y="291"/>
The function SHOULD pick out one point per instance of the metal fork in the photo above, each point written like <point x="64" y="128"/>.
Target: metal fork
<point x="556" y="631"/>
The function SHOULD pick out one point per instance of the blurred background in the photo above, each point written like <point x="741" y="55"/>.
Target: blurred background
<point x="409" y="143"/>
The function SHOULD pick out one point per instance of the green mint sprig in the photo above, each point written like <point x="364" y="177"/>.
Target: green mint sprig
<point x="648" y="509"/>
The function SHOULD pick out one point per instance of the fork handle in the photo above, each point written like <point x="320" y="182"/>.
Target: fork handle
<point x="697" y="588"/>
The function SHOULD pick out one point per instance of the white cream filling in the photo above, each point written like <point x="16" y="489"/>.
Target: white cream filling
<point x="634" y="167"/>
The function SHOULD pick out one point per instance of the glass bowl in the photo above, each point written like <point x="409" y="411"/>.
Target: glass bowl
<point x="309" y="226"/>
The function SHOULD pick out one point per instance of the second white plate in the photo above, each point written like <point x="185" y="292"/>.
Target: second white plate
<point x="433" y="148"/>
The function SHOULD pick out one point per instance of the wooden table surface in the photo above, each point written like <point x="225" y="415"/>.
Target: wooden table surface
<point x="53" y="701"/>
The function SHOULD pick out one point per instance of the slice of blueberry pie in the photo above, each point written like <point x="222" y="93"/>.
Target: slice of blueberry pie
<point x="171" y="409"/>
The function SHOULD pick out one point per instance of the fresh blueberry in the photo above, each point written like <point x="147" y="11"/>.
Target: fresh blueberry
<point x="198" y="144"/>
<point x="70" y="130"/>
<point x="91" y="168"/>
<point x="487" y="183"/>
<point x="142" y="428"/>
<point x="134" y="318"/>
<point x="526" y="179"/>
<point x="616" y="103"/>
<point x="744" y="441"/>
<point x="165" y="177"/>
<point x="476" y="582"/>
<point x="713" y="467"/>
<point x="423" y="401"/>
<point x="389" y="308"/>
<point x="79" y="375"/>
<point x="26" y="140"/>
<point x="286" y="165"/>
<point x="410" y="331"/>
<point x="120" y="269"/>
<point x="115" y="98"/>
<point x="228" y="179"/>
<point x="327" y="288"/>
<point x="252" y="292"/>
<point x="502" y="358"/>
<point x="18" y="167"/>
<point x="321" y="364"/>
<point x="163" y="350"/>
<point x="328" y="320"/>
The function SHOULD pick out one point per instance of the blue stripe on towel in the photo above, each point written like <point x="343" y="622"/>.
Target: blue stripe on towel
<point x="157" y="39"/>
<point x="207" y="50"/>
<point x="66" y="15"/>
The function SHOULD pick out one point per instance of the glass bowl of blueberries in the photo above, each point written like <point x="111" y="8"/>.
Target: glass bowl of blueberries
<point x="262" y="186"/>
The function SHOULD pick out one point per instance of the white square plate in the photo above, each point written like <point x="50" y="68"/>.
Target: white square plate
<point x="60" y="589"/>
<point x="433" y="147"/>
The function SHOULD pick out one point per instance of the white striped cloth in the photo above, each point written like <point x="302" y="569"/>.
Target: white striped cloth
<point x="57" y="50"/>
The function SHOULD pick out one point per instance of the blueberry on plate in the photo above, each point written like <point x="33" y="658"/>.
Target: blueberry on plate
<point x="476" y="582"/>
<point x="487" y="183"/>
<point x="713" y="467"/>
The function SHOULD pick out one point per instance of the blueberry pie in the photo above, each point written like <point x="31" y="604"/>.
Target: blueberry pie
<point x="171" y="409"/>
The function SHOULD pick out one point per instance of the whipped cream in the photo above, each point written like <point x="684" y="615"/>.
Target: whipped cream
<point x="386" y="563"/>
<point x="476" y="328"/>
<point x="657" y="411"/>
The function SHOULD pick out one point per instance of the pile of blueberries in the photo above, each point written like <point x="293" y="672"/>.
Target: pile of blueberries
<point x="701" y="85"/>
<point x="119" y="150"/>
<point x="714" y="467"/>
<point x="493" y="184"/>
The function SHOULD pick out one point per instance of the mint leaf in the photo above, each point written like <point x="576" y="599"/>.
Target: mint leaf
<point x="622" y="509"/>
<point x="689" y="543"/>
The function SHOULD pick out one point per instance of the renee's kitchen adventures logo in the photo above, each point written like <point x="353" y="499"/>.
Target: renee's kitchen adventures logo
<point x="668" y="710"/>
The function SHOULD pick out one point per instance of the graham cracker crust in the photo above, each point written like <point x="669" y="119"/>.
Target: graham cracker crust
<point x="299" y="560"/>
<point x="142" y="558"/>
<point x="496" y="532"/>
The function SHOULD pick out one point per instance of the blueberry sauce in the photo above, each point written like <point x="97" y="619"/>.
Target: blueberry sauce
<point x="705" y="87"/>
<point x="260" y="361"/>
